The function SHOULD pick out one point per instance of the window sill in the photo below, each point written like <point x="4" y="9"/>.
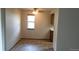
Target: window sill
<point x="30" y="29"/>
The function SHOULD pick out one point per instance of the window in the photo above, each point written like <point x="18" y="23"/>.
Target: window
<point x="31" y="22"/>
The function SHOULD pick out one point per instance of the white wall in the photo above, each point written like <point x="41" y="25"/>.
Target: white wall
<point x="68" y="29"/>
<point x="1" y="48"/>
<point x="12" y="27"/>
<point x="42" y="25"/>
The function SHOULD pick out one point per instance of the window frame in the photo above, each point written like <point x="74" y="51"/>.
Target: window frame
<point x="30" y="21"/>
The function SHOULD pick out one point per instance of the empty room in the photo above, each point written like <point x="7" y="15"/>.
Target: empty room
<point x="39" y="29"/>
<point x="28" y="29"/>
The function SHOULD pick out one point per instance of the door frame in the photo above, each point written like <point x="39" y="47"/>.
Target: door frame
<point x="3" y="29"/>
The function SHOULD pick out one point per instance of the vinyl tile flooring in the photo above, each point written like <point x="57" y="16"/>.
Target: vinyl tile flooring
<point x="33" y="45"/>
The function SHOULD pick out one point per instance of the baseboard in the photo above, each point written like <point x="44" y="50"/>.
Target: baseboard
<point x="35" y="39"/>
<point x="14" y="44"/>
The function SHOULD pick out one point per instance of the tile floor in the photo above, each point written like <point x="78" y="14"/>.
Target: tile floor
<point x="33" y="45"/>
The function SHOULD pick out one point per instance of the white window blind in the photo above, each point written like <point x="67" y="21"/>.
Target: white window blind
<point x="31" y="22"/>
